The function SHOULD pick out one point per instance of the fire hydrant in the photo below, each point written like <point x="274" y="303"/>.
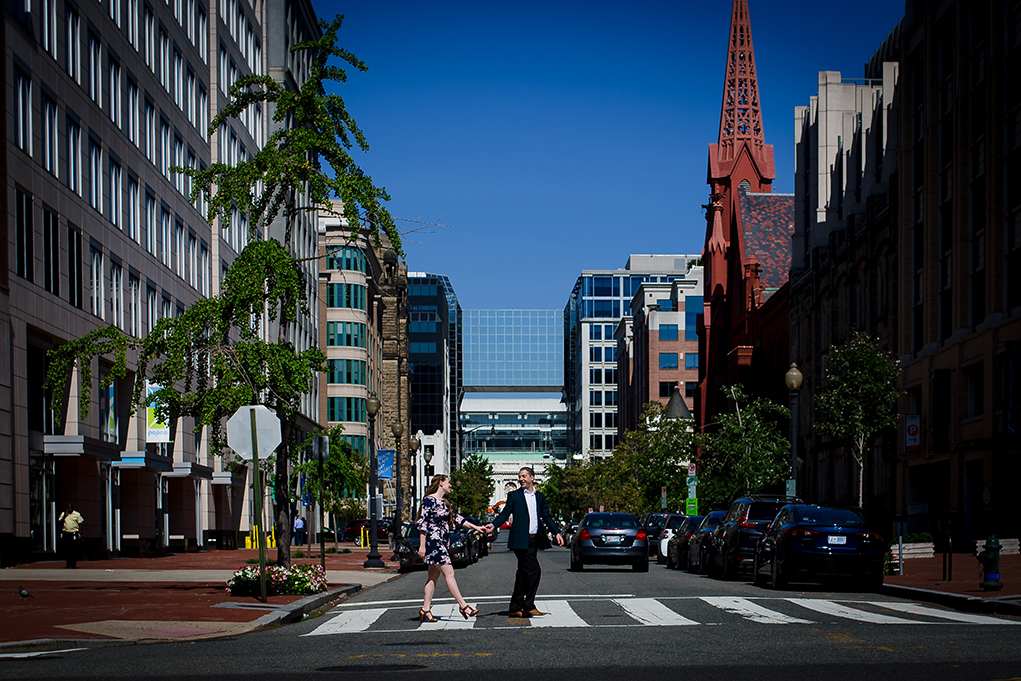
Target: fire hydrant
<point x="990" y="559"/>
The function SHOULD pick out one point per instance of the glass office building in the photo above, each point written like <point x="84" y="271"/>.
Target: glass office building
<point x="599" y="301"/>
<point x="514" y="350"/>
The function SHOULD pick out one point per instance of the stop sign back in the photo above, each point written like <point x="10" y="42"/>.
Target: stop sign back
<point x="267" y="431"/>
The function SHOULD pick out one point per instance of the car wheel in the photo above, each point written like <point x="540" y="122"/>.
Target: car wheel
<point x="576" y="565"/>
<point x="641" y="566"/>
<point x="776" y="578"/>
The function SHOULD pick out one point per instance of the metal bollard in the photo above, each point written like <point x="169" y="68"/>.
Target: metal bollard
<point x="989" y="557"/>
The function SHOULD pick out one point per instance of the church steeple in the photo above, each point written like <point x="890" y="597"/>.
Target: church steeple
<point x="741" y="112"/>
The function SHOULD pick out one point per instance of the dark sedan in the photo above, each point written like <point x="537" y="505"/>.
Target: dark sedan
<point x="810" y="543"/>
<point x="610" y="539"/>
<point x="698" y="545"/>
<point x="733" y="542"/>
<point x="677" y="545"/>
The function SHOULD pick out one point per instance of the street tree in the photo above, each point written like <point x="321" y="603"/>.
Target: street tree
<point x="472" y="485"/>
<point x="344" y="473"/>
<point x="216" y="357"/>
<point x="745" y="453"/>
<point x="568" y="491"/>
<point x="859" y="398"/>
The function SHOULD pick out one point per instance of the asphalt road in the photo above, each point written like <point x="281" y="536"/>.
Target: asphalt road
<point x="603" y="622"/>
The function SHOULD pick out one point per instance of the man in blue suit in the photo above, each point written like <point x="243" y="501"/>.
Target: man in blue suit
<point x="527" y="536"/>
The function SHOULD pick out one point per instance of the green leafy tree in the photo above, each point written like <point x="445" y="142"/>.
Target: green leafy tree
<point x="568" y="491"/>
<point x="212" y="359"/>
<point x="345" y="472"/>
<point x="860" y="396"/>
<point x="472" y="485"/>
<point x="745" y="453"/>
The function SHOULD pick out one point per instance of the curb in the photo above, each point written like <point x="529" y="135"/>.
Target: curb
<point x="295" y="611"/>
<point x="996" y="606"/>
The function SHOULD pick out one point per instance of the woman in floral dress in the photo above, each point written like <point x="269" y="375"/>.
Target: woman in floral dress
<point x="434" y="525"/>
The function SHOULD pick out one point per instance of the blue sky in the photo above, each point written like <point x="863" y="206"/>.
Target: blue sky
<point x="551" y="137"/>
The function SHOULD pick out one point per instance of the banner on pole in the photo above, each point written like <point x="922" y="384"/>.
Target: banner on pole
<point x="155" y="430"/>
<point x="385" y="461"/>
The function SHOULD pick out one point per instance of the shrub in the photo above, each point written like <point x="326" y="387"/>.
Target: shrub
<point x="299" y="579"/>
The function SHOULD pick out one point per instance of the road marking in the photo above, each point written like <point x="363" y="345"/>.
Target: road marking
<point x="348" y="622"/>
<point x="559" y="614"/>
<point x="752" y="611"/>
<point x="916" y="609"/>
<point x="418" y="601"/>
<point x="837" y="610"/>
<point x="652" y="613"/>
<point x="449" y="618"/>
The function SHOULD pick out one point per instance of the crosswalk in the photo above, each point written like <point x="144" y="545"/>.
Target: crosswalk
<point x="629" y="611"/>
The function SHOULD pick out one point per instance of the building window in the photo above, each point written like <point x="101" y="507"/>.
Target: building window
<point x="610" y="419"/>
<point x="346" y="409"/>
<point x="150" y="223"/>
<point x="117" y="295"/>
<point x="610" y="398"/>
<point x="49" y="135"/>
<point x="595" y="332"/>
<point x="115" y="92"/>
<point x="96" y="298"/>
<point x="22" y="111"/>
<point x="595" y="442"/>
<point x="95" y="67"/>
<point x="109" y="430"/>
<point x="346" y="334"/>
<point x="178" y="249"/>
<point x="691" y="360"/>
<point x="133" y="129"/>
<point x="134" y="321"/>
<point x="116" y="189"/>
<point x="150" y="131"/>
<point x="346" y="371"/>
<point x="51" y="252"/>
<point x="191" y="264"/>
<point x="131" y="26"/>
<point x="610" y="353"/>
<point x="74" y="157"/>
<point x="595" y="419"/>
<point x="165" y="244"/>
<point x="152" y="312"/>
<point x="74" y="266"/>
<point x="692" y="308"/>
<point x="422" y="348"/>
<point x="95" y="175"/>
<point x="668" y="360"/>
<point x="595" y="398"/>
<point x="25" y="228"/>
<point x="595" y="376"/>
<point x="595" y="353"/>
<point x="114" y="7"/>
<point x="610" y="376"/>
<point x="204" y="271"/>
<point x="149" y="26"/>
<point x="73" y="51"/>
<point x="347" y="258"/>
<point x="665" y="305"/>
<point x="689" y="388"/>
<point x="132" y="213"/>
<point x="345" y="295"/>
<point x="668" y="332"/>
<point x="48" y="26"/>
<point x="666" y="388"/>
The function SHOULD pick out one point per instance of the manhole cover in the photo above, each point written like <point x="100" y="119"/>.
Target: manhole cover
<point x="356" y="668"/>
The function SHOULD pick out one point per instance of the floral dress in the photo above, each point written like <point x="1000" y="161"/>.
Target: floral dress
<point x="435" y="522"/>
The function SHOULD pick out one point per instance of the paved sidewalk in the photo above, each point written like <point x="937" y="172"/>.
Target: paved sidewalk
<point x="173" y="597"/>
<point x="923" y="580"/>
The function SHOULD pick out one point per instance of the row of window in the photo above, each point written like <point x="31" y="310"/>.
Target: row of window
<point x="597" y="376"/>
<point x="600" y="442"/>
<point x="601" y="354"/>
<point x="346" y="371"/>
<point x="185" y="255"/>
<point x="600" y="398"/>
<point x="666" y="388"/>
<point x="346" y="295"/>
<point x="670" y="360"/>
<point x="348" y="258"/>
<point x="598" y="419"/>
<point x="423" y="348"/>
<point x="346" y="334"/>
<point x="350" y="409"/>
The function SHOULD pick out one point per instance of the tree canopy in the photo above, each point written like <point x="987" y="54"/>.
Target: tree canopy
<point x="472" y="485"/>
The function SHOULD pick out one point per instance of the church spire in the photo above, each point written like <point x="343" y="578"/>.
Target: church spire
<point x="741" y="113"/>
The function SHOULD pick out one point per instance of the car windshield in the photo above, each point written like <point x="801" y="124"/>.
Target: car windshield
<point x="760" y="512"/>
<point x="675" y="522"/>
<point x="615" y="521"/>
<point x="828" y="516"/>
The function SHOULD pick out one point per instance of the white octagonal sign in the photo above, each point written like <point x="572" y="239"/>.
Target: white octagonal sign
<point x="267" y="431"/>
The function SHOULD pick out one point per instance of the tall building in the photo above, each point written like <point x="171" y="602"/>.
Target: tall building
<point x="657" y="347"/>
<point x="747" y="247"/>
<point x="596" y="306"/>
<point x="513" y="351"/>
<point x="105" y="100"/>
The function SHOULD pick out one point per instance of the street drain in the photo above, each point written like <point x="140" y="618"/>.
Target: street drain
<point x="356" y="668"/>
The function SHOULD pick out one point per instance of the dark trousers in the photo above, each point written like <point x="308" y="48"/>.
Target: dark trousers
<point x="70" y="542"/>
<point x="526" y="579"/>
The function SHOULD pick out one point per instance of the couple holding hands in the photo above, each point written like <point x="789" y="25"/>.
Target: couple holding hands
<point x="527" y="536"/>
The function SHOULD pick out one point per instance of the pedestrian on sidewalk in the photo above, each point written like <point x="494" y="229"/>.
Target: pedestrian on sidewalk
<point x="299" y="531"/>
<point x="70" y="522"/>
<point x="527" y="536"/>
<point x="434" y="525"/>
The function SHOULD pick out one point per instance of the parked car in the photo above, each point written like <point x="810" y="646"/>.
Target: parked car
<point x="698" y="545"/>
<point x="485" y="539"/>
<point x="407" y="549"/>
<point x="354" y="533"/>
<point x="733" y="543"/>
<point x="610" y="539"/>
<point x="677" y="546"/>
<point x="465" y="547"/>
<point x="811" y="543"/>
<point x="653" y="524"/>
<point x="669" y="527"/>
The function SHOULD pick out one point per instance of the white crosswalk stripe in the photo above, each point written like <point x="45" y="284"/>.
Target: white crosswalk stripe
<point x="558" y="614"/>
<point x="646" y="612"/>
<point x="651" y="612"/>
<point x="348" y="622"/>
<point x="752" y="611"/>
<point x="831" y="608"/>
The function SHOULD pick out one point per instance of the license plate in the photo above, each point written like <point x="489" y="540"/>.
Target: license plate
<point x="611" y="539"/>
<point x="836" y="539"/>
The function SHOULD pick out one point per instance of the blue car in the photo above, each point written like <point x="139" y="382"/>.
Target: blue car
<point x="811" y="543"/>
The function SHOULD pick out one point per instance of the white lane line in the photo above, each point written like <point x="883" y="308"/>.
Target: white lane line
<point x="916" y="609"/>
<point x="559" y="614"/>
<point x="449" y="618"/>
<point x="837" y="610"/>
<point x="348" y="622"/>
<point x="752" y="611"/>
<point x="418" y="601"/>
<point x="652" y="613"/>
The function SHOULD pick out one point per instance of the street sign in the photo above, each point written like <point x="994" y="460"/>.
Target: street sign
<point x="239" y="431"/>
<point x="691" y="469"/>
<point x="691" y="507"/>
<point x="792" y="488"/>
<point x="692" y="480"/>
<point x="691" y="491"/>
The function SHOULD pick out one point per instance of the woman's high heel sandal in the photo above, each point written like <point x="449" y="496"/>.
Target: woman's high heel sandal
<point x="468" y="611"/>
<point x="427" y="616"/>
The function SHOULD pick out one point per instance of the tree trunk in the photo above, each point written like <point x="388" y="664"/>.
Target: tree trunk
<point x="282" y="497"/>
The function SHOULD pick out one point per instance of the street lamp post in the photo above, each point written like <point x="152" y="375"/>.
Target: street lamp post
<point x="373" y="560"/>
<point x="793" y="379"/>
<point x="414" y="444"/>
<point x="397" y="428"/>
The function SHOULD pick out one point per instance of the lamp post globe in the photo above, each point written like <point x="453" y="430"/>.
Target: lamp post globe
<point x="373" y="560"/>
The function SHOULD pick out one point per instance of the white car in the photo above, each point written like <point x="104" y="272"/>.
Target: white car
<point x="667" y="531"/>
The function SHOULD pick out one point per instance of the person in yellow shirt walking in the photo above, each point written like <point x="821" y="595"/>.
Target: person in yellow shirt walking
<point x="70" y="534"/>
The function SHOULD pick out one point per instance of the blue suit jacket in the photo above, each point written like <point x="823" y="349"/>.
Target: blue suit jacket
<point x="518" y="507"/>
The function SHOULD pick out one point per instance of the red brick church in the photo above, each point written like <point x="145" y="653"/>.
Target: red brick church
<point x="743" y="331"/>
